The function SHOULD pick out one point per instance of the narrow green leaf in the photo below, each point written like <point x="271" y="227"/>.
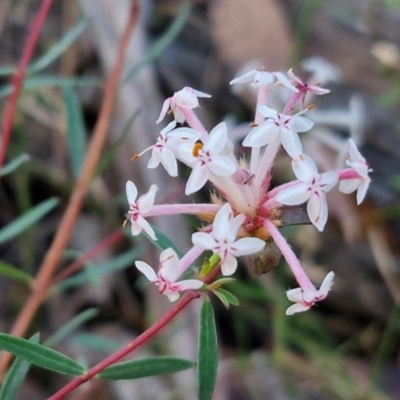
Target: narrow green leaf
<point x="16" y="375"/>
<point x="119" y="263"/>
<point x="40" y="355"/>
<point x="76" y="131"/>
<point x="27" y="219"/>
<point x="14" y="164"/>
<point x="14" y="273"/>
<point x="163" y="242"/>
<point x="5" y="71"/>
<point x="146" y="367"/>
<point x="40" y="81"/>
<point x="58" y="49"/>
<point x="226" y="297"/>
<point x="207" y="356"/>
<point x="70" y="326"/>
<point x="93" y="341"/>
<point x="158" y="47"/>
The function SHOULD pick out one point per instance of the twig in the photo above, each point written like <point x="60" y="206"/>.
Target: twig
<point x="19" y="76"/>
<point x="53" y="256"/>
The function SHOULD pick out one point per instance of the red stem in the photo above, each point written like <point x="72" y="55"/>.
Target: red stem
<point x="19" y="76"/>
<point x="113" y="358"/>
<point x="142" y="338"/>
<point x="106" y="243"/>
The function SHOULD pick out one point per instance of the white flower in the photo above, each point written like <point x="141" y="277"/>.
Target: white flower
<point x="222" y="239"/>
<point x="259" y="77"/>
<point x="279" y="125"/>
<point x="137" y="208"/>
<point x="304" y="87"/>
<point x="360" y="183"/>
<point x="305" y="298"/>
<point x="168" y="273"/>
<point x="312" y="188"/>
<point x="206" y="158"/>
<point x="185" y="98"/>
<point x="166" y="148"/>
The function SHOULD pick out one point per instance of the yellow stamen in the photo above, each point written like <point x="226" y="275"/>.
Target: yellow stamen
<point x="197" y="148"/>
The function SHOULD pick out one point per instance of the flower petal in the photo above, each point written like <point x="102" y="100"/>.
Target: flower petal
<point x="221" y="222"/>
<point x="146" y="270"/>
<point x="247" y="245"/>
<point x="142" y="224"/>
<point x="300" y="124"/>
<point x="326" y="286"/>
<point x="261" y="135"/>
<point x="188" y="284"/>
<point x="294" y="195"/>
<point x="229" y="265"/>
<point x="131" y="192"/>
<point x="164" y="110"/>
<point x="145" y="202"/>
<point x="217" y="138"/>
<point x="291" y="142"/>
<point x="197" y="179"/>
<point x="169" y="265"/>
<point x="168" y="161"/>
<point x="297" y="308"/>
<point x="203" y="240"/>
<point x="317" y="210"/>
<point x="221" y="166"/>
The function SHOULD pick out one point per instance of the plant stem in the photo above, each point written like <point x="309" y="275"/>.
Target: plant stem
<point x="113" y="358"/>
<point x="41" y="284"/>
<point x="19" y="76"/>
<point x="138" y="341"/>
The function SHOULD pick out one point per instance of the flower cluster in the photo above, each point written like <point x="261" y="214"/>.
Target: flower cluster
<point x="245" y="211"/>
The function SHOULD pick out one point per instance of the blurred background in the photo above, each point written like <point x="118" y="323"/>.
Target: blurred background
<point x="348" y="346"/>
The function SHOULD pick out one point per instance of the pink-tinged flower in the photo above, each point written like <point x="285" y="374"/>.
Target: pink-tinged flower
<point x="184" y="99"/>
<point x="259" y="78"/>
<point x="311" y="187"/>
<point x="222" y="239"/>
<point x="357" y="162"/>
<point x="168" y="273"/>
<point x="305" y="298"/>
<point x="140" y="207"/>
<point x="279" y="125"/>
<point x="206" y="158"/>
<point x="304" y="87"/>
<point x="166" y="148"/>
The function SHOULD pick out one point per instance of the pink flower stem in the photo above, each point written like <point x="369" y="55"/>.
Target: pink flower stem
<point x="195" y="123"/>
<point x="263" y="171"/>
<point x="294" y="264"/>
<point x="19" y="76"/>
<point x="348" y="173"/>
<point x="187" y="260"/>
<point x="171" y="209"/>
<point x="291" y="104"/>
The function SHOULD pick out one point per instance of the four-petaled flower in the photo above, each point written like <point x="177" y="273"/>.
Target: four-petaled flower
<point x="167" y="275"/>
<point x="305" y="298"/>
<point x="165" y="150"/>
<point x="260" y="77"/>
<point x="222" y="239"/>
<point x="205" y="158"/>
<point x="311" y="187"/>
<point x="184" y="99"/>
<point x="140" y="207"/>
<point x="357" y="162"/>
<point x="279" y="125"/>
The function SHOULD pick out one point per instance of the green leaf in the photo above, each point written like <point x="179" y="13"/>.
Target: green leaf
<point x="70" y="326"/>
<point x="14" y="273"/>
<point x="92" y="341"/>
<point x="76" y="131"/>
<point x="119" y="263"/>
<point x="146" y="367"/>
<point x="158" y="47"/>
<point x="163" y="242"/>
<point x="40" y="355"/>
<point x="207" y="356"/>
<point x="40" y="81"/>
<point x="27" y="219"/>
<point x="16" y="375"/>
<point x="226" y="297"/>
<point x="14" y="164"/>
<point x="59" y="48"/>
